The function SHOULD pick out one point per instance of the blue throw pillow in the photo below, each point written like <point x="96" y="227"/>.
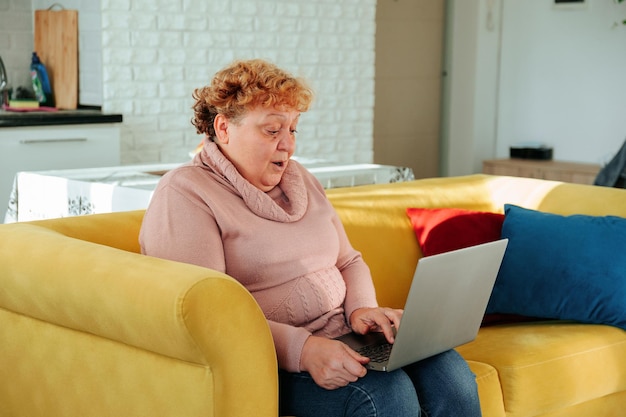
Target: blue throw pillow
<point x="562" y="267"/>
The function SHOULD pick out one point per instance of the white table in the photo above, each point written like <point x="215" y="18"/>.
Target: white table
<point x="40" y="195"/>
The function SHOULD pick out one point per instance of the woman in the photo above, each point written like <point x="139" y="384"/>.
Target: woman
<point x="243" y="207"/>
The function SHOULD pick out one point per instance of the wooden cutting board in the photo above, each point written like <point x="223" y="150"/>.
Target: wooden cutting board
<point x="56" y="43"/>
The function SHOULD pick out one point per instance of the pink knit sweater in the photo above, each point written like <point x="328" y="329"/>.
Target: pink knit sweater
<point x="287" y="247"/>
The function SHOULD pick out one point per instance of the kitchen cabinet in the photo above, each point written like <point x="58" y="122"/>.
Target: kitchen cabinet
<point x="34" y="148"/>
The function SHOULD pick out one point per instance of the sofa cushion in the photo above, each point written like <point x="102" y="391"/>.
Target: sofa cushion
<point x="489" y="389"/>
<point x="562" y="267"/>
<point x="547" y="367"/>
<point x="444" y="229"/>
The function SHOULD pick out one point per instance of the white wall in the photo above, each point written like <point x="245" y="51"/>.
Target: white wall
<point x="563" y="78"/>
<point x="155" y="52"/>
<point x="541" y="74"/>
<point x="459" y="113"/>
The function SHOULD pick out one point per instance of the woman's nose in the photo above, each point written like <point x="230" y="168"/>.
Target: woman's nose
<point x="287" y="142"/>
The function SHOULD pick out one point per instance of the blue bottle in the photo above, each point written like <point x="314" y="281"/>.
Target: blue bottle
<point x="41" y="82"/>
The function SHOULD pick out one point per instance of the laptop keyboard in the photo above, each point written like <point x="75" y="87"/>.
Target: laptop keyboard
<point x="377" y="353"/>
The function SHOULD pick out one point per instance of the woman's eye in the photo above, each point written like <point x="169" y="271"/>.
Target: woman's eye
<point x="274" y="132"/>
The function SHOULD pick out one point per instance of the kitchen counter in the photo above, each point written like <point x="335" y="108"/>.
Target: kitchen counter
<point x="58" y="117"/>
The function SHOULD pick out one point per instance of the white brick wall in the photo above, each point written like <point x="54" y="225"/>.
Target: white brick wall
<point x="16" y="40"/>
<point x="155" y="52"/>
<point x="143" y="58"/>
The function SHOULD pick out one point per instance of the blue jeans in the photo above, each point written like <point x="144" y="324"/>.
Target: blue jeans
<point x="440" y="386"/>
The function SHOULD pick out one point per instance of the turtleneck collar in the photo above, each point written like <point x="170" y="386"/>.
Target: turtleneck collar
<point x="286" y="203"/>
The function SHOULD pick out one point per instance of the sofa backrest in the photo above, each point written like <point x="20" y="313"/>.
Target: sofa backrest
<point x="375" y="218"/>
<point x="377" y="224"/>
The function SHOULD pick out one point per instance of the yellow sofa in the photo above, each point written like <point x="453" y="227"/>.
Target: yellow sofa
<point x="90" y="327"/>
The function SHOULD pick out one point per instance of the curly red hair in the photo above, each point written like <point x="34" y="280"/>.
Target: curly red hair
<point x="244" y="85"/>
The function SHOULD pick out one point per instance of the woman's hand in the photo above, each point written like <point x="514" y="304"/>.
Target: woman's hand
<point x="379" y="319"/>
<point x="331" y="363"/>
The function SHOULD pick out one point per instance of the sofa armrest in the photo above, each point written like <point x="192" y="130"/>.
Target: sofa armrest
<point x="185" y="312"/>
<point x="118" y="229"/>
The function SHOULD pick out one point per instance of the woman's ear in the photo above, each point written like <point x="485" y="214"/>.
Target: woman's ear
<point x="220" y="124"/>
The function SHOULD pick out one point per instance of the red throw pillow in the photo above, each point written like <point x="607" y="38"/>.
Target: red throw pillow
<point x="445" y="229"/>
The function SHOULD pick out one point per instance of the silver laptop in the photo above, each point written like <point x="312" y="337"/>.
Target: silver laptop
<point x="444" y="308"/>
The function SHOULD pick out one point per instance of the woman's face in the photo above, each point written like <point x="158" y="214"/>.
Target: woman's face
<point x="259" y="144"/>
